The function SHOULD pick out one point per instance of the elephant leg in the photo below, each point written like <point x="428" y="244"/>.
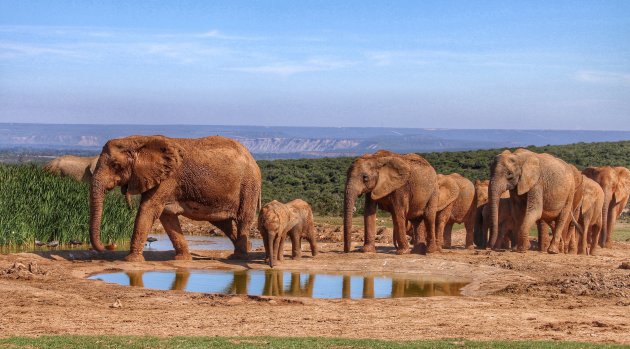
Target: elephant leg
<point x="296" y="243"/>
<point x="441" y="219"/>
<point x="312" y="240"/>
<point x="265" y="238"/>
<point x="174" y="230"/>
<point x="594" y="235"/>
<point x="369" y="225"/>
<point x="243" y="228"/>
<point x="543" y="236"/>
<point x="561" y="223"/>
<point x="147" y="214"/>
<point x="447" y="235"/>
<point x="400" y="233"/>
<point x="533" y="212"/>
<point x="430" y="216"/>
<point x="279" y="246"/>
<point x="583" y="239"/>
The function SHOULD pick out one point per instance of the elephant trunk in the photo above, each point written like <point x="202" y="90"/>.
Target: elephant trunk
<point x="348" y="206"/>
<point x="605" y="220"/>
<point x="494" y="195"/>
<point x="97" y="195"/>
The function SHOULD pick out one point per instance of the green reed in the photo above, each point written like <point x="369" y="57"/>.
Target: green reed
<point x="35" y="205"/>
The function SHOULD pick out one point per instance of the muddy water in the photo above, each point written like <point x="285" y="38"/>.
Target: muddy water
<point x="289" y="283"/>
<point x="163" y="243"/>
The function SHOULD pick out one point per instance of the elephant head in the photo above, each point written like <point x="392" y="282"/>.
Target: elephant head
<point x="378" y="174"/>
<point x="518" y="171"/>
<point x="136" y="164"/>
<point x="615" y="181"/>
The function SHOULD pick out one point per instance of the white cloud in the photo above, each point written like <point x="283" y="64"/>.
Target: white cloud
<point x="603" y="77"/>
<point x="290" y="68"/>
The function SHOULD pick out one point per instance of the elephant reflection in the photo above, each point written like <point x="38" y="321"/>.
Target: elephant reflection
<point x="405" y="288"/>
<point x="179" y="283"/>
<point x="274" y="284"/>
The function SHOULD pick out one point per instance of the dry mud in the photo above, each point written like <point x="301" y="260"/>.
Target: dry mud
<point x="512" y="296"/>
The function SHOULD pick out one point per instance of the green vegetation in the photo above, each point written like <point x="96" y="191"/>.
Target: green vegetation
<point x="320" y="181"/>
<point x="111" y="342"/>
<point x="35" y="205"/>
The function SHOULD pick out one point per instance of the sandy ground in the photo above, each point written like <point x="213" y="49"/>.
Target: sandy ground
<point x="511" y="296"/>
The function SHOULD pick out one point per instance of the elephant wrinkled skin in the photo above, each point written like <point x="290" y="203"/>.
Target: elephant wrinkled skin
<point x="214" y="179"/>
<point x="542" y="187"/>
<point x="277" y="220"/>
<point x="403" y="185"/>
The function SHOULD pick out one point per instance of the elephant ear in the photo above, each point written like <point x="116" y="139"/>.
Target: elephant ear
<point x="530" y="174"/>
<point x="448" y="191"/>
<point x="623" y="184"/>
<point x="154" y="161"/>
<point x="393" y="173"/>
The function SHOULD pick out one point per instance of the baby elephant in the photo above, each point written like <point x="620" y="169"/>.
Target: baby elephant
<point x="276" y="220"/>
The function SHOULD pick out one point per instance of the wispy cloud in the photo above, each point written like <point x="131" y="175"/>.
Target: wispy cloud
<point x="14" y="50"/>
<point x="290" y="68"/>
<point x="602" y="77"/>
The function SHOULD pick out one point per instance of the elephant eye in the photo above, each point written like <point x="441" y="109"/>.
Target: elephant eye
<point x="509" y="174"/>
<point x="365" y="178"/>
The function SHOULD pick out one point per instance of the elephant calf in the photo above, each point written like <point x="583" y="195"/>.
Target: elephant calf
<point x="276" y="220"/>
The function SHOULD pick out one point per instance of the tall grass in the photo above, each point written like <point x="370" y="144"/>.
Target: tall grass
<point x="35" y="205"/>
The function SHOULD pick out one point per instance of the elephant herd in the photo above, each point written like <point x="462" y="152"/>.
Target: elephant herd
<point x="216" y="179"/>
<point x="525" y="189"/>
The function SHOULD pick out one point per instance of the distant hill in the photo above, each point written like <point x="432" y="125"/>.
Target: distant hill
<point x="291" y="142"/>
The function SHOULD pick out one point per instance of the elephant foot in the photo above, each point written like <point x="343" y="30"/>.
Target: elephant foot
<point x="183" y="257"/>
<point x="368" y="249"/>
<point x="520" y="250"/>
<point x="420" y="248"/>
<point x="470" y="247"/>
<point x="553" y="249"/>
<point x="134" y="257"/>
<point x="296" y="258"/>
<point x="402" y="251"/>
<point x="608" y="244"/>
<point x="433" y="247"/>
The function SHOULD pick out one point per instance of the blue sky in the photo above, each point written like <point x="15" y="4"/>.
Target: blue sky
<point x="429" y="64"/>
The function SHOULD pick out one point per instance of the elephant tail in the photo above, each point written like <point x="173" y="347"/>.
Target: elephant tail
<point x="576" y="224"/>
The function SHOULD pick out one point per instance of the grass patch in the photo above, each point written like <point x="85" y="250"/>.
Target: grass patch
<point x="35" y="205"/>
<point x="107" y="342"/>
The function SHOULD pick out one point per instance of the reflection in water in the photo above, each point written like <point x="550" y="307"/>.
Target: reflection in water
<point x="275" y="282"/>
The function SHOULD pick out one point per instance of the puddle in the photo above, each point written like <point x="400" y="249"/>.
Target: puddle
<point x="163" y="243"/>
<point x="277" y="282"/>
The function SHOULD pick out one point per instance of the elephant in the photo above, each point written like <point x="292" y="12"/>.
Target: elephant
<point x="449" y="192"/>
<point x="590" y="218"/>
<point x="214" y="179"/>
<point x="615" y="181"/>
<point x="462" y="210"/>
<point x="542" y="187"/>
<point x="80" y="168"/>
<point x="277" y="220"/>
<point x="403" y="185"/>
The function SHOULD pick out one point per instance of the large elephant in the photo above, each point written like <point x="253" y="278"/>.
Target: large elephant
<point x="462" y="210"/>
<point x="277" y="220"/>
<point x="542" y="187"/>
<point x="80" y="168"/>
<point x="214" y="179"/>
<point x="403" y="185"/>
<point x="615" y="181"/>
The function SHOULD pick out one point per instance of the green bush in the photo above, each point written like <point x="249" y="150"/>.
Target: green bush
<point x="35" y="205"/>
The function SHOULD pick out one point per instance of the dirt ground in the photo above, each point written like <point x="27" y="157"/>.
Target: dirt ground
<point x="511" y="296"/>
